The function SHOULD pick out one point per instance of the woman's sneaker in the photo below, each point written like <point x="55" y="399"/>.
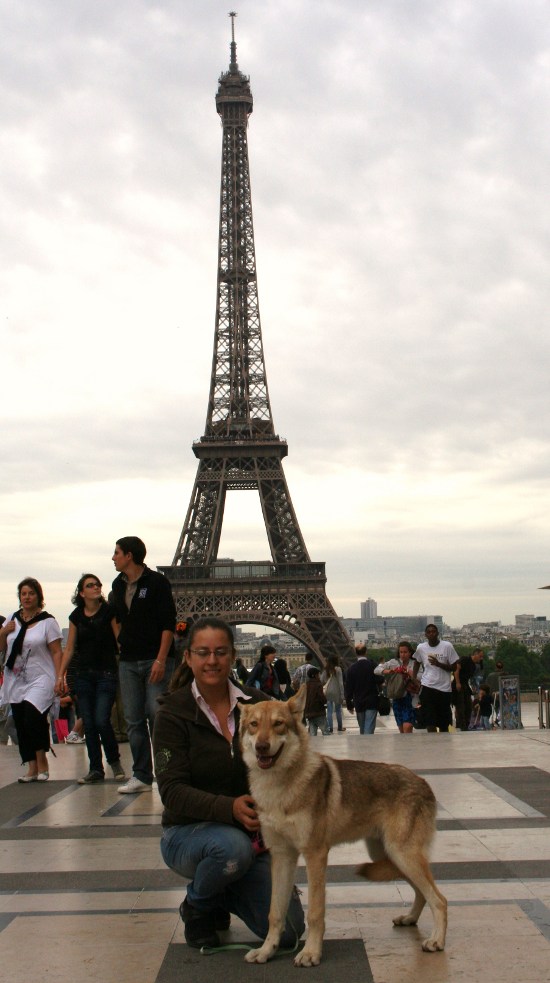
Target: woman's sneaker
<point x="74" y="738"/>
<point x="92" y="778"/>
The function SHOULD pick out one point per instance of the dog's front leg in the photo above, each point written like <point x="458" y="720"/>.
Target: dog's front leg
<point x="283" y="867"/>
<point x="316" y="863"/>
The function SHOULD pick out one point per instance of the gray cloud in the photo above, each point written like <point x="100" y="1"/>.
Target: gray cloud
<point x="400" y="185"/>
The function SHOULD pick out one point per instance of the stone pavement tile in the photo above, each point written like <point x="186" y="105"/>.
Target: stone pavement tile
<point x="484" y="942"/>
<point x="343" y="960"/>
<point x="96" y="949"/>
<point x="70" y="901"/>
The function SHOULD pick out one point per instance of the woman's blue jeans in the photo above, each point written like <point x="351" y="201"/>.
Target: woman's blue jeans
<point x="337" y="709"/>
<point x="225" y="872"/>
<point x="96" y="692"/>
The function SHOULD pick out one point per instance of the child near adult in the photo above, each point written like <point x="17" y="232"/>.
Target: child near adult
<point x="485" y="705"/>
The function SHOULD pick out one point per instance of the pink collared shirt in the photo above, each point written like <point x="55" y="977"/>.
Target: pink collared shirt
<point x="234" y="695"/>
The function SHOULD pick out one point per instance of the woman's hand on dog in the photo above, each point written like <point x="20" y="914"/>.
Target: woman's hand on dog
<point x="244" y="812"/>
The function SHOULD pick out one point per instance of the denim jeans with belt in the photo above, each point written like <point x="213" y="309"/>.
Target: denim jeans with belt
<point x="139" y="698"/>
<point x="96" y="693"/>
<point x="225" y="872"/>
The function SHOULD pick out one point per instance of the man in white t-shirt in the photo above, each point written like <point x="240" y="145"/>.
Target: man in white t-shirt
<point x="439" y="660"/>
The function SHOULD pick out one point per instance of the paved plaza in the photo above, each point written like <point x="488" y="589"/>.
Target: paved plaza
<point x="85" y="894"/>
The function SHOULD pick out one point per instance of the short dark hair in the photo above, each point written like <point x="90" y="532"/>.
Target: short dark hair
<point x="267" y="650"/>
<point x="405" y="645"/>
<point x="312" y="672"/>
<point x="135" y="546"/>
<point x="35" y="586"/>
<point x="431" y="625"/>
<point x="77" y="598"/>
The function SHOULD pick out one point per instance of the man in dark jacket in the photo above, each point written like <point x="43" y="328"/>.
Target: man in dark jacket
<point x="361" y="689"/>
<point x="146" y="613"/>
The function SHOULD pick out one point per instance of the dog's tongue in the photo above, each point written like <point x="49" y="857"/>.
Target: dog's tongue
<point x="264" y="761"/>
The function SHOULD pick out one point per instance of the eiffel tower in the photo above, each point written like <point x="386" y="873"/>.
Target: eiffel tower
<point x="240" y="449"/>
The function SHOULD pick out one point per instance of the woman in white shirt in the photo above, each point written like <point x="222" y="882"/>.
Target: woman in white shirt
<point x="32" y="642"/>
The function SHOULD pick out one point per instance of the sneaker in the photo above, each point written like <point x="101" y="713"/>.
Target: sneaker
<point x="134" y="785"/>
<point x="74" y="738"/>
<point x="92" y="778"/>
<point x="199" y="926"/>
<point x="42" y="776"/>
<point x="27" y="778"/>
<point x="117" y="770"/>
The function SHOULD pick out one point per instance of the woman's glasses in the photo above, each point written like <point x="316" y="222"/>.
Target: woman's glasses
<point x="93" y="583"/>
<point x="220" y="653"/>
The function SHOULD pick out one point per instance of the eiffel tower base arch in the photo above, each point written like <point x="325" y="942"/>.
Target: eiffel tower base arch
<point x="290" y="597"/>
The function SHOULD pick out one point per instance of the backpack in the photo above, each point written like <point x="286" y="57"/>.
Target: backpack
<point x="396" y="685"/>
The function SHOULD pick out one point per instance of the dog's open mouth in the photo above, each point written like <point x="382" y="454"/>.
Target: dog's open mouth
<point x="266" y="761"/>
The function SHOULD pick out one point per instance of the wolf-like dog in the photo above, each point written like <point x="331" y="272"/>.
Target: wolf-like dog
<point x="308" y="802"/>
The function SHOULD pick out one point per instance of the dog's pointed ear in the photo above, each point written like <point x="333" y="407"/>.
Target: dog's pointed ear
<point x="297" y="703"/>
<point x="244" y="710"/>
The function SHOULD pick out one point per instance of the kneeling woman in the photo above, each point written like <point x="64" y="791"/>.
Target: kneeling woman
<point x="211" y="832"/>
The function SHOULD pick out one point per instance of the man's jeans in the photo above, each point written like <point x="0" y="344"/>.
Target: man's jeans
<point x="225" y="872"/>
<point x="139" y="698"/>
<point x="367" y="720"/>
<point x="96" y="693"/>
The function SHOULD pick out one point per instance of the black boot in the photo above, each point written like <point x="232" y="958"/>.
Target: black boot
<point x="199" y="926"/>
<point x="222" y="919"/>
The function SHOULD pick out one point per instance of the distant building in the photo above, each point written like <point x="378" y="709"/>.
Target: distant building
<point x="369" y="609"/>
<point x="531" y="622"/>
<point x="391" y="627"/>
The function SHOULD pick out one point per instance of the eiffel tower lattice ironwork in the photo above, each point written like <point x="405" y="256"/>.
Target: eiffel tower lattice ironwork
<point x="240" y="449"/>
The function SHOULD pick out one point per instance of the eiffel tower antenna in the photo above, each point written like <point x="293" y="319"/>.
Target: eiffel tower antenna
<point x="240" y="449"/>
<point x="233" y="66"/>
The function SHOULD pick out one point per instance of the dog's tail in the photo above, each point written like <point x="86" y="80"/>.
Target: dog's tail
<point x="380" y="870"/>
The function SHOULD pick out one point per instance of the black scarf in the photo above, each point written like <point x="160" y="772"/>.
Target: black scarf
<point x="17" y="646"/>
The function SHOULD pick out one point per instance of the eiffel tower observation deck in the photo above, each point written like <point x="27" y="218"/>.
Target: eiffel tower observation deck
<point x="240" y="449"/>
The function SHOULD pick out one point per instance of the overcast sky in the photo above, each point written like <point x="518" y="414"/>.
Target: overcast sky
<point x="399" y="159"/>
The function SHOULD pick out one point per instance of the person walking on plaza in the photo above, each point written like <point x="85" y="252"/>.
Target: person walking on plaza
<point x="333" y="685"/>
<point x="314" y="710"/>
<point x="463" y="675"/>
<point x="439" y="660"/>
<point x="92" y="631"/>
<point x="402" y="706"/>
<point x="263" y="675"/>
<point x="146" y="613"/>
<point x="361" y="690"/>
<point x="31" y="639"/>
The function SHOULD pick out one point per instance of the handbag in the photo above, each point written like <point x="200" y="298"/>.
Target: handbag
<point x="384" y="705"/>
<point x="396" y="685"/>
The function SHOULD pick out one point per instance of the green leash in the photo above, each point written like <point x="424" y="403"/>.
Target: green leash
<point x="232" y="946"/>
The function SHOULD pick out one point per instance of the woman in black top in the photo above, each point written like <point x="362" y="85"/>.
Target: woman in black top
<point x="93" y="632"/>
<point x="263" y="675"/>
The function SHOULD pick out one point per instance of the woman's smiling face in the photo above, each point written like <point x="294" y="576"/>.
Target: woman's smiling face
<point x="210" y="659"/>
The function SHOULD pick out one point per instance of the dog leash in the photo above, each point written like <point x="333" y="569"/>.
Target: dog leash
<point x="232" y="946"/>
